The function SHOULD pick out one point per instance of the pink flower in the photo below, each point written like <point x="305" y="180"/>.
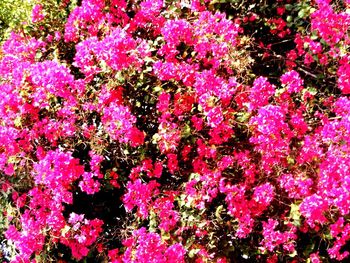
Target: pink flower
<point x="149" y="247"/>
<point x="314" y="258"/>
<point x="136" y="137"/>
<point x="172" y="163"/>
<point x="260" y="93"/>
<point x="88" y="184"/>
<point x="177" y="31"/>
<point x="140" y="194"/>
<point x="57" y="171"/>
<point x="264" y="194"/>
<point x="164" y="208"/>
<point x="293" y="81"/>
<point x="343" y="76"/>
<point x="81" y="235"/>
<point x="37" y="14"/>
<point x="313" y="208"/>
<point x="163" y="102"/>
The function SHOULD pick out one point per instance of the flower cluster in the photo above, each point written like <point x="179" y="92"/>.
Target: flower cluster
<point x="140" y="194"/>
<point x="80" y="233"/>
<point x="145" y="247"/>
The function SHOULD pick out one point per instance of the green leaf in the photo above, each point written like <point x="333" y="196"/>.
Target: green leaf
<point x="189" y="243"/>
<point x="301" y="13"/>
<point x="295" y="214"/>
<point x="292" y="255"/>
<point x="152" y="221"/>
<point x="288" y="7"/>
<point x="218" y="211"/>
<point x="186" y="131"/>
<point x="243" y="116"/>
<point x="290" y="160"/>
<point x="165" y="236"/>
<point x="193" y="252"/>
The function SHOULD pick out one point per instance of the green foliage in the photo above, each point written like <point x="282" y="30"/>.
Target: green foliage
<point x="13" y="14"/>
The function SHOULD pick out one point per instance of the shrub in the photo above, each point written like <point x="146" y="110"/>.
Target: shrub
<point x="186" y="131"/>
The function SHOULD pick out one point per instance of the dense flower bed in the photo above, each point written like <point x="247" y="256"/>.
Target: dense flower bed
<point x="176" y="131"/>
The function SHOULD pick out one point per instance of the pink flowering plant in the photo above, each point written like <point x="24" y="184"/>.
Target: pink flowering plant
<point x="176" y="131"/>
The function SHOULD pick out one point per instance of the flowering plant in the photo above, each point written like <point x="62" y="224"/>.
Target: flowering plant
<point x="176" y="131"/>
